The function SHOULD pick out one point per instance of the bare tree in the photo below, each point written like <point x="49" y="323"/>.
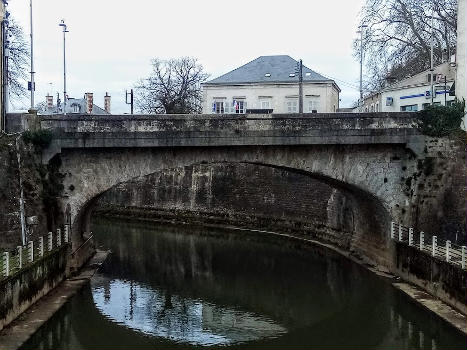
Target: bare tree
<point x="18" y="60"/>
<point x="397" y="40"/>
<point x="174" y="87"/>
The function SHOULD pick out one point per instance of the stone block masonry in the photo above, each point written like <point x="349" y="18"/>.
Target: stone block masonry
<point x="25" y="287"/>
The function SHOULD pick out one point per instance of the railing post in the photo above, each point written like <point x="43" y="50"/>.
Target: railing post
<point x="433" y="246"/>
<point x="393" y="229"/>
<point x="410" y="236"/>
<point x="31" y="251"/>
<point x="41" y="246"/>
<point x="20" y="256"/>
<point x="463" y="257"/>
<point x="448" y="248"/>
<point x="422" y="240"/>
<point x="6" y="264"/>
<point x="400" y="233"/>
<point x="66" y="232"/>
<point x="59" y="237"/>
<point x="49" y="242"/>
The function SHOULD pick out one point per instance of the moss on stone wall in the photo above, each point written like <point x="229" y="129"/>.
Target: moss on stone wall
<point x="52" y="188"/>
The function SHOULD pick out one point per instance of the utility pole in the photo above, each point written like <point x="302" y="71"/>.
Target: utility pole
<point x="300" y="87"/>
<point x="65" y="30"/>
<point x="33" y="85"/>
<point x="431" y="57"/>
<point x="361" y="27"/>
<point x="129" y="99"/>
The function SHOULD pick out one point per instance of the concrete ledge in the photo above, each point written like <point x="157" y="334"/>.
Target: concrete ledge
<point x="434" y="305"/>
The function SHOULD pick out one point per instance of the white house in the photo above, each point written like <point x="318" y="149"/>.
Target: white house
<point x="269" y="84"/>
<point x="413" y="93"/>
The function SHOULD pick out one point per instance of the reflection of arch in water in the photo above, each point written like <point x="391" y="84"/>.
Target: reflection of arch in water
<point x="315" y="283"/>
<point x="357" y="220"/>
<point x="179" y="318"/>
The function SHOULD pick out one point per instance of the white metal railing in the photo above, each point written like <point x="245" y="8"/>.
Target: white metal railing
<point x="430" y="244"/>
<point x="22" y="256"/>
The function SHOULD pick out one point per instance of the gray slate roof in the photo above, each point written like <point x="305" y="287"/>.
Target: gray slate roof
<point x="81" y="103"/>
<point x="279" y="67"/>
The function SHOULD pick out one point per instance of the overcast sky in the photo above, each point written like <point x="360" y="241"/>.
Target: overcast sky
<point x="111" y="42"/>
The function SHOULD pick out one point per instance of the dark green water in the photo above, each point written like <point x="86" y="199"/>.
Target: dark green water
<point x="184" y="287"/>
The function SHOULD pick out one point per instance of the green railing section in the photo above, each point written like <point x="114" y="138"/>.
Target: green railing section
<point x="13" y="261"/>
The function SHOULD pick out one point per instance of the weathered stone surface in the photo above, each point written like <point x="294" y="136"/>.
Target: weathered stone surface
<point x="233" y="130"/>
<point x="10" y="191"/>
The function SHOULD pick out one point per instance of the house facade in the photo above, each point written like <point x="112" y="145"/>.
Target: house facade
<point x="414" y="93"/>
<point x="269" y="84"/>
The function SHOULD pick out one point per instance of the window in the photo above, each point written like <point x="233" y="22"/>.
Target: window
<point x="229" y="107"/>
<point x="239" y="106"/>
<point x="218" y="107"/>
<point x="409" y="108"/>
<point x="313" y="106"/>
<point x="426" y="105"/>
<point x="292" y="106"/>
<point x="75" y="108"/>
<point x="265" y="104"/>
<point x="377" y="107"/>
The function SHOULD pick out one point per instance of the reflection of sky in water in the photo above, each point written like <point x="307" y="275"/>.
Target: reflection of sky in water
<point x="180" y="319"/>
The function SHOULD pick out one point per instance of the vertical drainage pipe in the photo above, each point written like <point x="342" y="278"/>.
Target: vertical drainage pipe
<point x="21" y="197"/>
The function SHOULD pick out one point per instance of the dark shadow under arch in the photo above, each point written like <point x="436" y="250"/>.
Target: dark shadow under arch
<point x="370" y="219"/>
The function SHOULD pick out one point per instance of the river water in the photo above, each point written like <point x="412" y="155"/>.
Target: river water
<point x="185" y="287"/>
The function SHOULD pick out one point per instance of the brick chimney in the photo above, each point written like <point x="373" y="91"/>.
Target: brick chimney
<point x="89" y="96"/>
<point x="49" y="99"/>
<point x="107" y="102"/>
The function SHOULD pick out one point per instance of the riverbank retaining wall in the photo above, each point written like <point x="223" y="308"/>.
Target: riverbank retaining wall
<point x="22" y="289"/>
<point x="22" y="193"/>
<point x="440" y="278"/>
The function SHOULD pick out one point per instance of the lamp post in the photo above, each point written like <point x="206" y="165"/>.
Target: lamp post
<point x="32" y="57"/>
<point x="361" y="27"/>
<point x="431" y="57"/>
<point x="65" y="30"/>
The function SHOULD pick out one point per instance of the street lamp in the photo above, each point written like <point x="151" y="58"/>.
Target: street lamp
<point x="361" y="27"/>
<point x="62" y="24"/>
<point x="32" y="58"/>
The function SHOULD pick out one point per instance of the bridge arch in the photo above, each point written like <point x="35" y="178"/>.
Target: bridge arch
<point x="370" y="215"/>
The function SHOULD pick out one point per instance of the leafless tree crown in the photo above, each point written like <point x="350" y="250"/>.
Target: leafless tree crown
<point x="174" y="87"/>
<point x="18" y="61"/>
<point x="397" y="40"/>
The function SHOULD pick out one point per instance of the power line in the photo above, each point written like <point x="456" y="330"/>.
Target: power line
<point x="339" y="80"/>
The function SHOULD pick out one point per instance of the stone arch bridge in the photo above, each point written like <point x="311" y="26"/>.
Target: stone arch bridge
<point x="363" y="155"/>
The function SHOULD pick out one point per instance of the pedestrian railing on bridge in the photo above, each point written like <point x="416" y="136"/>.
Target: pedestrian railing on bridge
<point x="13" y="261"/>
<point x="429" y="244"/>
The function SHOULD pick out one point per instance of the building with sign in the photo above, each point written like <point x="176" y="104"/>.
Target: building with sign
<point x="270" y="84"/>
<point x="414" y="93"/>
